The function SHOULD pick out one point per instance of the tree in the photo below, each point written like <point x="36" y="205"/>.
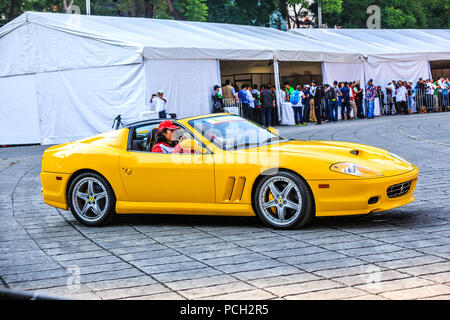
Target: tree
<point x="394" y="14"/>
<point x="67" y="8"/>
<point x="194" y="10"/>
<point x="347" y="14"/>
<point x="249" y="12"/>
<point x="296" y="11"/>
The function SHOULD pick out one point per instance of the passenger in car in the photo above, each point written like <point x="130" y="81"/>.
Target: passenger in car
<point x="166" y="140"/>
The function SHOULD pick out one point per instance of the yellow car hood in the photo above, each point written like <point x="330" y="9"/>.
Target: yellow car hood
<point x="334" y="152"/>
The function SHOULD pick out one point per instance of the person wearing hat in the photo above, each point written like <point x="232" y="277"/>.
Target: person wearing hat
<point x="217" y="100"/>
<point x="371" y="92"/>
<point x="166" y="140"/>
<point x="159" y="103"/>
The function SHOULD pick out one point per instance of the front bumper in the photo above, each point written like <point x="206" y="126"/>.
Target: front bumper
<point x="349" y="197"/>
<point x="54" y="188"/>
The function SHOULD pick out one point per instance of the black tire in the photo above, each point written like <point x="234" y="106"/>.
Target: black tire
<point x="105" y="202"/>
<point x="300" y="217"/>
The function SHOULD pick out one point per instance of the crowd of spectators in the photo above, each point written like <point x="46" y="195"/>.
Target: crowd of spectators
<point x="316" y="103"/>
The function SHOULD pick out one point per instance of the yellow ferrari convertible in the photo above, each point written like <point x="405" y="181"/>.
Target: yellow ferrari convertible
<point x="226" y="165"/>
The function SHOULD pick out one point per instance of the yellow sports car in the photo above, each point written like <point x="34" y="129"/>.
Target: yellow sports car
<point x="224" y="165"/>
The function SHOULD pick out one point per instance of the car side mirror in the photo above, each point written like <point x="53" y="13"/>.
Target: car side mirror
<point x="273" y="130"/>
<point x="192" y="145"/>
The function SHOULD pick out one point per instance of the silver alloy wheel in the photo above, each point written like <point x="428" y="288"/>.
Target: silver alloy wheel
<point x="90" y="199"/>
<point x="280" y="201"/>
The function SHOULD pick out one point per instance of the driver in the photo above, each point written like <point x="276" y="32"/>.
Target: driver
<point x="166" y="140"/>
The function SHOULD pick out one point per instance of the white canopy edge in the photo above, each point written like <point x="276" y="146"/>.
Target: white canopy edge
<point x="386" y="44"/>
<point x="180" y="40"/>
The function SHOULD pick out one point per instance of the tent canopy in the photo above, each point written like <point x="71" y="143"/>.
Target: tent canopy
<point x="159" y="39"/>
<point x="386" y="44"/>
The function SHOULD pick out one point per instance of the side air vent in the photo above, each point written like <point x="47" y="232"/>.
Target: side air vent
<point x="238" y="189"/>
<point x="234" y="188"/>
<point x="355" y="152"/>
<point x="229" y="185"/>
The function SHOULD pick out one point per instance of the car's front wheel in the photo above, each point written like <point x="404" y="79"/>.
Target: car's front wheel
<point x="91" y="199"/>
<point x="283" y="201"/>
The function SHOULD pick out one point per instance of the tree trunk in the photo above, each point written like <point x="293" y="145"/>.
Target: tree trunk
<point x="296" y="16"/>
<point x="174" y="12"/>
<point x="148" y="9"/>
<point x="12" y="9"/>
<point x="285" y="13"/>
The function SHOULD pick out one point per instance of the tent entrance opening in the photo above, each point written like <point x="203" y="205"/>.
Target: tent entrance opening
<point x="440" y="69"/>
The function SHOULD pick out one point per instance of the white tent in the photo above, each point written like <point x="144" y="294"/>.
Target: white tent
<point x="64" y="77"/>
<point x="400" y="54"/>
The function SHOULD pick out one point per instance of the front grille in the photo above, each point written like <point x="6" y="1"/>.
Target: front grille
<point x="398" y="190"/>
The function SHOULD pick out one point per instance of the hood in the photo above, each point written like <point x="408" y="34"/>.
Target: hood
<point x="334" y="152"/>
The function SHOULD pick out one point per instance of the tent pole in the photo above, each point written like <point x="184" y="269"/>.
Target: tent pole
<point x="219" y="76"/>
<point x="324" y="74"/>
<point x="276" y="74"/>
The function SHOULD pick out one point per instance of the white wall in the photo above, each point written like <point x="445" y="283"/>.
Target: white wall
<point x="384" y="72"/>
<point x="19" y="118"/>
<point x="187" y="84"/>
<point x="78" y="103"/>
<point x="342" y="72"/>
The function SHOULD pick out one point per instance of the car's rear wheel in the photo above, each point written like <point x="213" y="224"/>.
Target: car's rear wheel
<point x="91" y="199"/>
<point x="283" y="201"/>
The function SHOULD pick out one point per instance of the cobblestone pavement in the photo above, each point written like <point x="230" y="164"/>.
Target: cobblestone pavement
<point x="399" y="254"/>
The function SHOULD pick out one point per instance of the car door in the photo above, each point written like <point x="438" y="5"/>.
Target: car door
<point x="160" y="177"/>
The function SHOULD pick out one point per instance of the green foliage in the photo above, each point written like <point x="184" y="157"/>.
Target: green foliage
<point x="394" y="14"/>
<point x="332" y="6"/>
<point x="4" y="8"/>
<point x="250" y="12"/>
<point x="193" y="10"/>
<point x="347" y="14"/>
<point x="397" y="18"/>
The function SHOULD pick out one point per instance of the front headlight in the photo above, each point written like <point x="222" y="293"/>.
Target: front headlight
<point x="396" y="156"/>
<point x="354" y="169"/>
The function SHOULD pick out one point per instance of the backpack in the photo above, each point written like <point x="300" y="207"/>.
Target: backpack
<point x="331" y="94"/>
<point x="295" y="97"/>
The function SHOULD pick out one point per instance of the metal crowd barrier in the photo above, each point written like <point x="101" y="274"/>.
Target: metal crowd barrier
<point x="233" y="106"/>
<point x="427" y="102"/>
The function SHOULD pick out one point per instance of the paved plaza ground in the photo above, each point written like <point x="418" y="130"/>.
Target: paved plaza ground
<point x="398" y="254"/>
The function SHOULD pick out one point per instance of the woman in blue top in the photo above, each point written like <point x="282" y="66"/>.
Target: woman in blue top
<point x="297" y="97"/>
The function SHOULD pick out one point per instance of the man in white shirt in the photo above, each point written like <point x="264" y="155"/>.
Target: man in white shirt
<point x="159" y="103"/>
<point x="402" y="97"/>
<point x="429" y="93"/>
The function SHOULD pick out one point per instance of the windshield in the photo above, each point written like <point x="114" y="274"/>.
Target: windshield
<point x="232" y="132"/>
